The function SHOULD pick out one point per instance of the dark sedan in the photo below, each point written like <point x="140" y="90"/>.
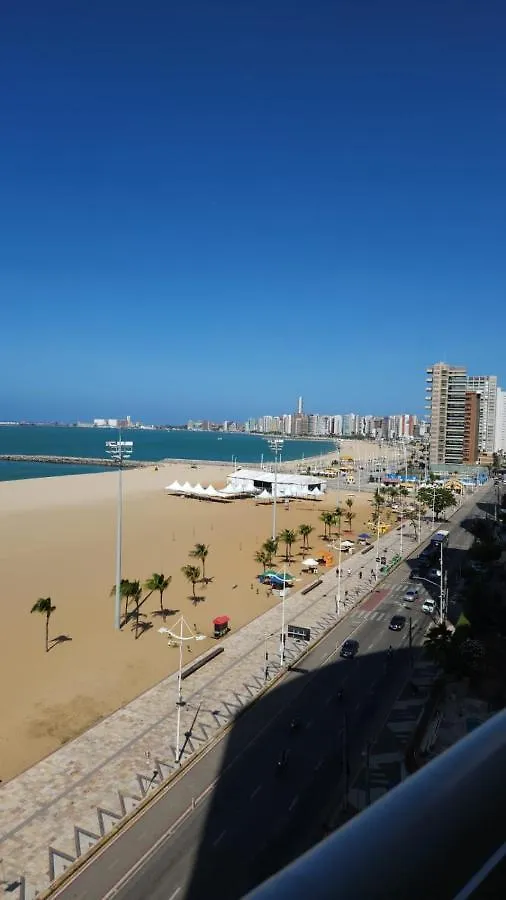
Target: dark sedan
<point x="349" y="649"/>
<point x="397" y="623"/>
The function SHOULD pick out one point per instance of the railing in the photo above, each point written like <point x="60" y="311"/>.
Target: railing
<point x="438" y="834"/>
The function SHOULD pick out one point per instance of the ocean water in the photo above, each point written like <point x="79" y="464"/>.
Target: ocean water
<point x="148" y="445"/>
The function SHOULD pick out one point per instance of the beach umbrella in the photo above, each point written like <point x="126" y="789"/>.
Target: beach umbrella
<point x="364" y="536"/>
<point x="347" y="543"/>
<point x="286" y="575"/>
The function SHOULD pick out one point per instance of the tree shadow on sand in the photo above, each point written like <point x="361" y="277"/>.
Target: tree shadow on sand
<point x="140" y="627"/>
<point x="163" y="615"/>
<point x="197" y="599"/>
<point x="61" y="639"/>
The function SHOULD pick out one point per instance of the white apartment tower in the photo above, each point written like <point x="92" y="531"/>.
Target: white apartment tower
<point x="445" y="400"/>
<point x="500" y="422"/>
<point x="300" y="407"/>
<point x="486" y="387"/>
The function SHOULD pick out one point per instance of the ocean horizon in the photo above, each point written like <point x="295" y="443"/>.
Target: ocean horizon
<point x="50" y="440"/>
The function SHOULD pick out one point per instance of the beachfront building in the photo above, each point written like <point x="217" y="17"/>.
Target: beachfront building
<point x="446" y="400"/>
<point x="486" y="388"/>
<point x="288" y="485"/>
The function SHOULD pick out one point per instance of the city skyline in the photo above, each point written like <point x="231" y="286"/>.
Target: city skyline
<point x="199" y="203"/>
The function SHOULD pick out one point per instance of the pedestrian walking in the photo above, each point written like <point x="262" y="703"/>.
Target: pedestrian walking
<point x="349" y="572"/>
<point x="360" y="575"/>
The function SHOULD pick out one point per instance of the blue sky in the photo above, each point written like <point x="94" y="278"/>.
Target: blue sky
<point x="207" y="208"/>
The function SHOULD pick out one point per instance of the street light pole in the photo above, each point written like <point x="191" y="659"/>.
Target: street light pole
<point x="119" y="450"/>
<point x="180" y="637"/>
<point x="282" y="641"/>
<point x="441" y="584"/>
<point x="275" y="445"/>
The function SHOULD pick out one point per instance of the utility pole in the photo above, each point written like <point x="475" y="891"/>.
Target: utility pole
<point x="345" y="760"/>
<point x="410" y="642"/>
<point x="441" y="584"/>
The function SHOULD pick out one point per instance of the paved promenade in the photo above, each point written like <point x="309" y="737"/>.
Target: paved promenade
<point x="55" y="811"/>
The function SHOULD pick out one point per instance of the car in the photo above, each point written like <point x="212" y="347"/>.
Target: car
<point x="434" y="573"/>
<point x="410" y="595"/>
<point x="397" y="623"/>
<point x="349" y="649"/>
<point x="428" y="605"/>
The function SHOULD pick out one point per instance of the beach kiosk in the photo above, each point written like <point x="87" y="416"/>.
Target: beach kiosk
<point x="221" y="626"/>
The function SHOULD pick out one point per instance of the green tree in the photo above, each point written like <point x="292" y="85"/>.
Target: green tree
<point x="305" y="531"/>
<point x="349" y="516"/>
<point x="441" y="498"/>
<point x="338" y="515"/>
<point x="125" y="593"/>
<point x="201" y="552"/>
<point x="158" y="582"/>
<point x="192" y="573"/>
<point x="45" y="608"/>
<point x="327" y="518"/>
<point x="438" y="645"/>
<point x="288" y="537"/>
<point x="262" y="558"/>
<point x="270" y="546"/>
<point x="136" y="596"/>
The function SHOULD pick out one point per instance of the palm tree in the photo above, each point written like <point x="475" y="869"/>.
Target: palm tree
<point x="288" y="537"/>
<point x="262" y="558"/>
<point x="45" y="607"/>
<point x="349" y="502"/>
<point x="124" y="592"/>
<point x="338" y="515"/>
<point x="327" y="518"/>
<point x="349" y="516"/>
<point x="192" y="573"/>
<point x="305" y="531"/>
<point x="136" y="595"/>
<point x="270" y="546"/>
<point x="158" y="582"/>
<point x="201" y="552"/>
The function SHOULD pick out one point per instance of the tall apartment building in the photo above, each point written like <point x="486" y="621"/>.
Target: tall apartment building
<point x="500" y="422"/>
<point x="486" y="388"/>
<point x="471" y="427"/>
<point x="446" y="400"/>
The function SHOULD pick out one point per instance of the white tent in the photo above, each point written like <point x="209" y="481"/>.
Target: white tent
<point x="175" y="486"/>
<point x="310" y="563"/>
<point x="346" y="544"/>
<point x="229" y="489"/>
<point x="187" y="488"/>
<point x="198" y="489"/>
<point x="315" y="492"/>
<point x="265" y="495"/>
<point x="211" y="491"/>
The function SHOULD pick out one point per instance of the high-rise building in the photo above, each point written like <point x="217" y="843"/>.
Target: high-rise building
<point x="486" y="388"/>
<point x="500" y="421"/>
<point x="471" y="427"/>
<point x="446" y="401"/>
<point x="300" y="406"/>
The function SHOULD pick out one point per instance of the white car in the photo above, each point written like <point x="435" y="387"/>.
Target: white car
<point x="428" y="605"/>
<point x="434" y="573"/>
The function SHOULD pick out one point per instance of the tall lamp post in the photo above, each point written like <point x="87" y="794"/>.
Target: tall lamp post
<point x="276" y="445"/>
<point x="338" y="597"/>
<point x="119" y="451"/>
<point x="180" y="637"/>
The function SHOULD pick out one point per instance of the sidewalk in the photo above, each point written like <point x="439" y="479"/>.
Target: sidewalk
<point x="55" y="811"/>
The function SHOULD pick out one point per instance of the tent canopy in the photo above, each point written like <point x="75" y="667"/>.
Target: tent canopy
<point x="264" y="495"/>
<point x="187" y="488"/>
<point x="310" y="562"/>
<point x="175" y="486"/>
<point x="211" y="491"/>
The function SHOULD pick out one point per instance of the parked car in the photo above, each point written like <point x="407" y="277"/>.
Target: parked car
<point x="397" y="623"/>
<point x="434" y="573"/>
<point x="428" y="605"/>
<point x="349" y="649"/>
<point x="410" y="595"/>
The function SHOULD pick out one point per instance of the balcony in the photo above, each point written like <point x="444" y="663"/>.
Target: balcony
<point x="439" y="834"/>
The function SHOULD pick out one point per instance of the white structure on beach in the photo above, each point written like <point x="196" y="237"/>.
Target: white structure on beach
<point x="258" y="481"/>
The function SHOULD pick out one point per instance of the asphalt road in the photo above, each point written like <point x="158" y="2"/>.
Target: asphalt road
<point x="248" y="818"/>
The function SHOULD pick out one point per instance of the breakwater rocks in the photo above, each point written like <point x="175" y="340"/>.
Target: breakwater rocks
<point x="75" y="460"/>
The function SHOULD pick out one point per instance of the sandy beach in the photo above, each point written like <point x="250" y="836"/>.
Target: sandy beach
<point x="57" y="539"/>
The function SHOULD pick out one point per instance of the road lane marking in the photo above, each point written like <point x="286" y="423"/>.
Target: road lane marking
<point x="293" y="803"/>
<point x="255" y="792"/>
<point x="219" y="838"/>
<point x="176" y="892"/>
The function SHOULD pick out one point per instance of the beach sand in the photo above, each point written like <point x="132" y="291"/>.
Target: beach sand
<point x="57" y="539"/>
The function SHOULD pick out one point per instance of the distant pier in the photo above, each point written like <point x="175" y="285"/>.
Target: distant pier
<point x="75" y="461"/>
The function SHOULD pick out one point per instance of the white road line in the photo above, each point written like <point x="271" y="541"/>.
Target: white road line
<point x="176" y="892"/>
<point x="255" y="792"/>
<point x="219" y="838"/>
<point x="293" y="803"/>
